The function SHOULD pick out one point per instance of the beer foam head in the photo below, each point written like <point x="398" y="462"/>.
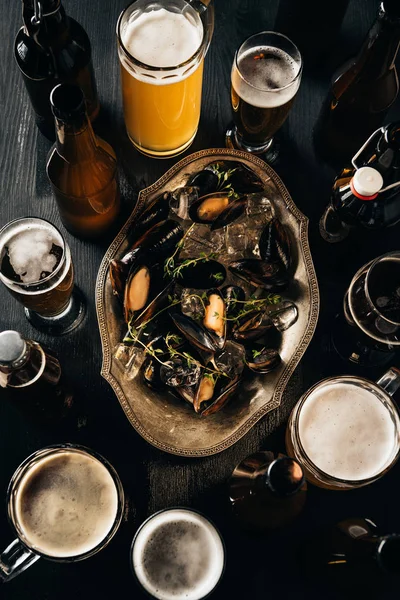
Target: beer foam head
<point x="178" y="554"/>
<point x="66" y="504"/>
<point x="347" y="431"/>
<point x="266" y="77"/>
<point x="162" y="38"/>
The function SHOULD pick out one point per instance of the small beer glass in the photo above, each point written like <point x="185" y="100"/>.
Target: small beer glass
<point x="36" y="268"/>
<point x="345" y="431"/>
<point x="65" y="503"/>
<point x="161" y="48"/>
<point x="369" y="333"/>
<point x="265" y="77"/>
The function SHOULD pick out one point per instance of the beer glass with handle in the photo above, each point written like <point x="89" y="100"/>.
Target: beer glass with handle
<point x="345" y="431"/>
<point x="265" y="77"/>
<point x="36" y="268"/>
<point x="65" y="503"/>
<point x="161" y="48"/>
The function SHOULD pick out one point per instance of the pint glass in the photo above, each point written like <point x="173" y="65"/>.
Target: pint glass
<point x="161" y="48"/>
<point x="345" y="431"/>
<point x="36" y="268"/>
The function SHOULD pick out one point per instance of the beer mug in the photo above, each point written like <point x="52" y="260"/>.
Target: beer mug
<point x="65" y="503"/>
<point x="161" y="48"/>
<point x="178" y="554"/>
<point x="345" y="431"/>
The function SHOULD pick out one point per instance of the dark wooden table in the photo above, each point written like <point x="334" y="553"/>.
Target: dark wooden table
<point x="257" y="567"/>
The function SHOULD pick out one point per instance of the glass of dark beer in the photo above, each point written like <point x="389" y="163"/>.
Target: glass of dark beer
<point x="266" y="74"/>
<point x="36" y="268"/>
<point x="369" y="333"/>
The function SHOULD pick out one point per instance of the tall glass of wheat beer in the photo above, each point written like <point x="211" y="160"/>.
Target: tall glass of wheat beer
<point x="161" y="48"/>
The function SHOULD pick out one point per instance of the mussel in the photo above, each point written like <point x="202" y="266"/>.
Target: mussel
<point x="234" y="297"/>
<point x="182" y="199"/>
<point x="252" y="326"/>
<point x="195" y="333"/>
<point x="215" y="317"/>
<point x="143" y="284"/>
<point x="119" y="270"/>
<point x="242" y="179"/>
<point x="155" y="212"/>
<point x="270" y="276"/>
<point x="207" y="208"/>
<point x="155" y="305"/>
<point x="262" y="360"/>
<point x="206" y="181"/>
<point x="213" y="393"/>
<point x="274" y="243"/>
<point x="233" y="211"/>
<point x="203" y="274"/>
<point x="151" y="374"/>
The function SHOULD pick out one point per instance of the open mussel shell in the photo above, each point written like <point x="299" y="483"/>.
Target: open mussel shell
<point x="118" y="274"/>
<point x="179" y="372"/>
<point x="159" y="302"/>
<point x="252" y="326"/>
<point x="263" y="360"/>
<point x="182" y="199"/>
<point x="283" y="315"/>
<point x="270" y="276"/>
<point x="215" y="317"/>
<point x="161" y="238"/>
<point x="233" y="211"/>
<point x="274" y="243"/>
<point x="242" y="179"/>
<point x="155" y="212"/>
<point x="142" y="286"/>
<point x="234" y="297"/>
<point x="207" y="208"/>
<point x="206" y="181"/>
<point x="204" y="274"/>
<point x="195" y="333"/>
<point x="151" y="374"/>
<point x="212" y="394"/>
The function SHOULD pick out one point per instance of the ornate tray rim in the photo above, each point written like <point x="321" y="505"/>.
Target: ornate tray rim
<point x="292" y="363"/>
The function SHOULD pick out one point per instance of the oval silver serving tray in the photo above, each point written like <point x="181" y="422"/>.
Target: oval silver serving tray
<point x="166" y="422"/>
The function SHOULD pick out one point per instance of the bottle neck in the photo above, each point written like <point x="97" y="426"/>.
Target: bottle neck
<point x="45" y="21"/>
<point x="380" y="48"/>
<point x="75" y="140"/>
<point x="31" y="367"/>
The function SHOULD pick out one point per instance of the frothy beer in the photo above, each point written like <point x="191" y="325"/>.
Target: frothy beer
<point x="178" y="554"/>
<point x="161" y="108"/>
<point x="265" y="80"/>
<point x="66" y="504"/>
<point x="36" y="266"/>
<point x="347" y="431"/>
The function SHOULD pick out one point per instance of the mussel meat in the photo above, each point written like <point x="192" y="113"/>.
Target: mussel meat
<point x="252" y="326"/>
<point x="270" y="276"/>
<point x="215" y="317"/>
<point x="263" y="360"/>
<point x="233" y="211"/>
<point x="195" y="333"/>
<point x="143" y="284"/>
<point x="207" y="208"/>
<point x="178" y="372"/>
<point x="206" y="181"/>
<point x="274" y="243"/>
<point x="213" y="393"/>
<point x="203" y="274"/>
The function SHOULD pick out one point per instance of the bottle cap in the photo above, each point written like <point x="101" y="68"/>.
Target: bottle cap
<point x="366" y="183"/>
<point x="285" y="476"/>
<point x="12" y="349"/>
<point x="67" y="102"/>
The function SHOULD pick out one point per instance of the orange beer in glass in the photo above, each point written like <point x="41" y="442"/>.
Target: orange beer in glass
<point x="161" y="47"/>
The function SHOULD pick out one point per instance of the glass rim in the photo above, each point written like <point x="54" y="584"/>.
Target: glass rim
<point x="174" y="508"/>
<point x="277" y="90"/>
<point x="49" y="277"/>
<point x="372" y="264"/>
<point x="152" y="67"/>
<point x="308" y="462"/>
<point x="53" y="449"/>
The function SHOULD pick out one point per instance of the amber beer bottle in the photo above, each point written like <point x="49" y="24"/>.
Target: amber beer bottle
<point x="81" y="167"/>
<point x="32" y="379"/>
<point x="362" y="90"/>
<point x="52" y="48"/>
<point x="353" y="556"/>
<point x="267" y="491"/>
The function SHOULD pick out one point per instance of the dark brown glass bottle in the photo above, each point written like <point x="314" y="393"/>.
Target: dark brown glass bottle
<point x="32" y="378"/>
<point x="353" y="556"/>
<point x="362" y="91"/>
<point x="267" y="491"/>
<point x="52" y="48"/>
<point x="81" y="167"/>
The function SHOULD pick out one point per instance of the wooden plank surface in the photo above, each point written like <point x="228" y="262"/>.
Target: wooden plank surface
<point x="257" y="567"/>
